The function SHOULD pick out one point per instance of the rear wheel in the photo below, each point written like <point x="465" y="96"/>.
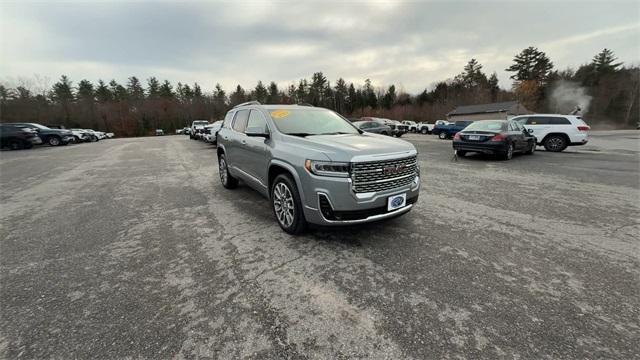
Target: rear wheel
<point x="226" y="179"/>
<point x="555" y="143"/>
<point x="424" y="131"/>
<point x="442" y="136"/>
<point x="287" y="206"/>
<point x="461" y="153"/>
<point x="384" y="133"/>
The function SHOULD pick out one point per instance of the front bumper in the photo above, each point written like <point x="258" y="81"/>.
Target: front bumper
<point x="67" y="138"/>
<point x="486" y="147"/>
<point x="348" y="207"/>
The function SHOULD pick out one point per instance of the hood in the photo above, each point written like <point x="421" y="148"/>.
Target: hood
<point x="345" y="147"/>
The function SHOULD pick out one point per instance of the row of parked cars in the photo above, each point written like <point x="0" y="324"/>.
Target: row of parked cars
<point x="203" y="130"/>
<point x="16" y="136"/>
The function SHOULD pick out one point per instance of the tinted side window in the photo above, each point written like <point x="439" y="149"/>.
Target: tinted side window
<point x="240" y="121"/>
<point x="256" y="120"/>
<point x="538" y="120"/>
<point x="559" y="121"/>
<point x="517" y="126"/>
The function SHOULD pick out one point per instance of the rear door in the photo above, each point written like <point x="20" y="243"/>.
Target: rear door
<point x="253" y="150"/>
<point x="540" y="126"/>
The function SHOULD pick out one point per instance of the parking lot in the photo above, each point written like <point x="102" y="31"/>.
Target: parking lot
<point x="132" y="248"/>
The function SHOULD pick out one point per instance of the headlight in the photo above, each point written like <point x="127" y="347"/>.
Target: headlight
<point x="327" y="168"/>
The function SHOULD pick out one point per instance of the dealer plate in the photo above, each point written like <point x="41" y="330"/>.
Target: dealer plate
<point x="396" y="201"/>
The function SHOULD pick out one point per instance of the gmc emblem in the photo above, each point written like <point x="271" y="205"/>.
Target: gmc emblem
<point x="392" y="170"/>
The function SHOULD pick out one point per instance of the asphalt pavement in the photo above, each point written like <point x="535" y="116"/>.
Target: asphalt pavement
<point x="132" y="248"/>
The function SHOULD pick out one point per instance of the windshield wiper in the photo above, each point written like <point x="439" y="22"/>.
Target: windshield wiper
<point x="299" y="134"/>
<point x="335" y="133"/>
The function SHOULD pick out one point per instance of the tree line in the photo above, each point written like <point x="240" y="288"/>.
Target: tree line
<point x="136" y="108"/>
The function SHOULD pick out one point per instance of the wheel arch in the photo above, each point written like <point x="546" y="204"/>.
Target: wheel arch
<point x="564" y="135"/>
<point x="277" y="167"/>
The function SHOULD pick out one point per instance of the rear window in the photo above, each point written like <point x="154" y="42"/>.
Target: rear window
<point x="488" y="125"/>
<point x="463" y="123"/>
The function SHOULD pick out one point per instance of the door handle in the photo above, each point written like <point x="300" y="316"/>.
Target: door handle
<point x="244" y="142"/>
<point x="226" y="137"/>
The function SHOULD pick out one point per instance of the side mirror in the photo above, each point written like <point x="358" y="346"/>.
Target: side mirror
<point x="257" y="132"/>
<point x="530" y="131"/>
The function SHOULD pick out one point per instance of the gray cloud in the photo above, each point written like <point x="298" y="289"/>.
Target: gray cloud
<point x="411" y="44"/>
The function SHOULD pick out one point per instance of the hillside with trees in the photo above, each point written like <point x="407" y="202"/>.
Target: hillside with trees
<point x="607" y="91"/>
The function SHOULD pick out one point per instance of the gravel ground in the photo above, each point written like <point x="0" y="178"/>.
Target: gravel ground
<point x="132" y="248"/>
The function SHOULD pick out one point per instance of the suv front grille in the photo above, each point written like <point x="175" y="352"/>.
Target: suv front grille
<point x="383" y="175"/>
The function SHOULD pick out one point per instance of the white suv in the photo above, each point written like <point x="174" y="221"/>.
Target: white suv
<point x="556" y="132"/>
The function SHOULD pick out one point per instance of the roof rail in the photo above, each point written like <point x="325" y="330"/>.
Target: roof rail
<point x="304" y="104"/>
<point x="253" y="102"/>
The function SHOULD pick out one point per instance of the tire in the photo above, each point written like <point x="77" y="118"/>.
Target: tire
<point x="555" y="143"/>
<point x="93" y="138"/>
<point x="226" y="179"/>
<point x="54" y="141"/>
<point x="443" y="136"/>
<point x="532" y="148"/>
<point x="286" y="205"/>
<point x="508" y="155"/>
<point x="27" y="145"/>
<point x="384" y="133"/>
<point x="424" y="131"/>
<point x="461" y="153"/>
<point x="76" y="140"/>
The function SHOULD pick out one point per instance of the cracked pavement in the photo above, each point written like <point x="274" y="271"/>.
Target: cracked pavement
<point x="132" y="248"/>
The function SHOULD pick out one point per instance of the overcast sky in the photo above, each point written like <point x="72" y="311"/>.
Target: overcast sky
<point x="410" y="44"/>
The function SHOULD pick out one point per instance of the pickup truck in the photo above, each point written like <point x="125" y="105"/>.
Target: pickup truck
<point x="413" y="127"/>
<point x="449" y="130"/>
<point x="425" y="128"/>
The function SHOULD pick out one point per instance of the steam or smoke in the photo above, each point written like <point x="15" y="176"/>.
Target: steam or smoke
<point x="566" y="95"/>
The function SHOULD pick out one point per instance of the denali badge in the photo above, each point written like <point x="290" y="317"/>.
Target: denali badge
<point x="394" y="169"/>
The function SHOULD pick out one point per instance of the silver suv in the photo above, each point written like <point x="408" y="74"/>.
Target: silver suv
<point x="315" y="167"/>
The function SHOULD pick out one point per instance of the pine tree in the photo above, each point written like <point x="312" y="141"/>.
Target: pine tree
<point x="352" y="99"/>
<point x="62" y="91"/>
<point x="260" y="93"/>
<point x="531" y="65"/>
<point x="494" y="89"/>
<point x="604" y="62"/>
<point x="135" y="90"/>
<point x="237" y="97"/>
<point x="103" y="94"/>
<point x="472" y="76"/>
<point x="166" y="90"/>
<point x="85" y="91"/>
<point x="273" y="97"/>
<point x="369" y="95"/>
<point x="341" y="92"/>
<point x="119" y="92"/>
<point x="153" y="88"/>
<point x="389" y="98"/>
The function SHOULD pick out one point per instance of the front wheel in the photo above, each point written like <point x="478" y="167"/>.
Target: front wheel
<point x="226" y="179"/>
<point x="442" y="136"/>
<point x="54" y="141"/>
<point x="532" y="148"/>
<point x="286" y="204"/>
<point x="15" y="145"/>
<point x="461" y="152"/>
<point x="424" y="131"/>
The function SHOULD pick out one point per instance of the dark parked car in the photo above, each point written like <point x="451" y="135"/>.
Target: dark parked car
<point x="499" y="137"/>
<point x="53" y="137"/>
<point x="447" y="131"/>
<point x="373" y="127"/>
<point x="16" y="138"/>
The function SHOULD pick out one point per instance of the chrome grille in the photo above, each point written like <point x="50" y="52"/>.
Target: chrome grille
<point x="372" y="177"/>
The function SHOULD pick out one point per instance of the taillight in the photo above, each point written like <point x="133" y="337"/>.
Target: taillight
<point x="583" y="128"/>
<point x="498" y="137"/>
<point x="456" y="136"/>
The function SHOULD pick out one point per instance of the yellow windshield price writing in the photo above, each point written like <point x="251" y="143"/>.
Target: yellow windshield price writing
<point x="280" y="114"/>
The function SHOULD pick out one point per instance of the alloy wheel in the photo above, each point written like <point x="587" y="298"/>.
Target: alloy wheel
<point x="222" y="167"/>
<point x="555" y="143"/>
<point x="283" y="204"/>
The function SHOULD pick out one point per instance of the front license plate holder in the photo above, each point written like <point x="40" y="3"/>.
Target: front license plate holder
<point x="396" y="202"/>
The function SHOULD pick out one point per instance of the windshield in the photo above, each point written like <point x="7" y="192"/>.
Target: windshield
<point x="488" y="125"/>
<point x="305" y="122"/>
